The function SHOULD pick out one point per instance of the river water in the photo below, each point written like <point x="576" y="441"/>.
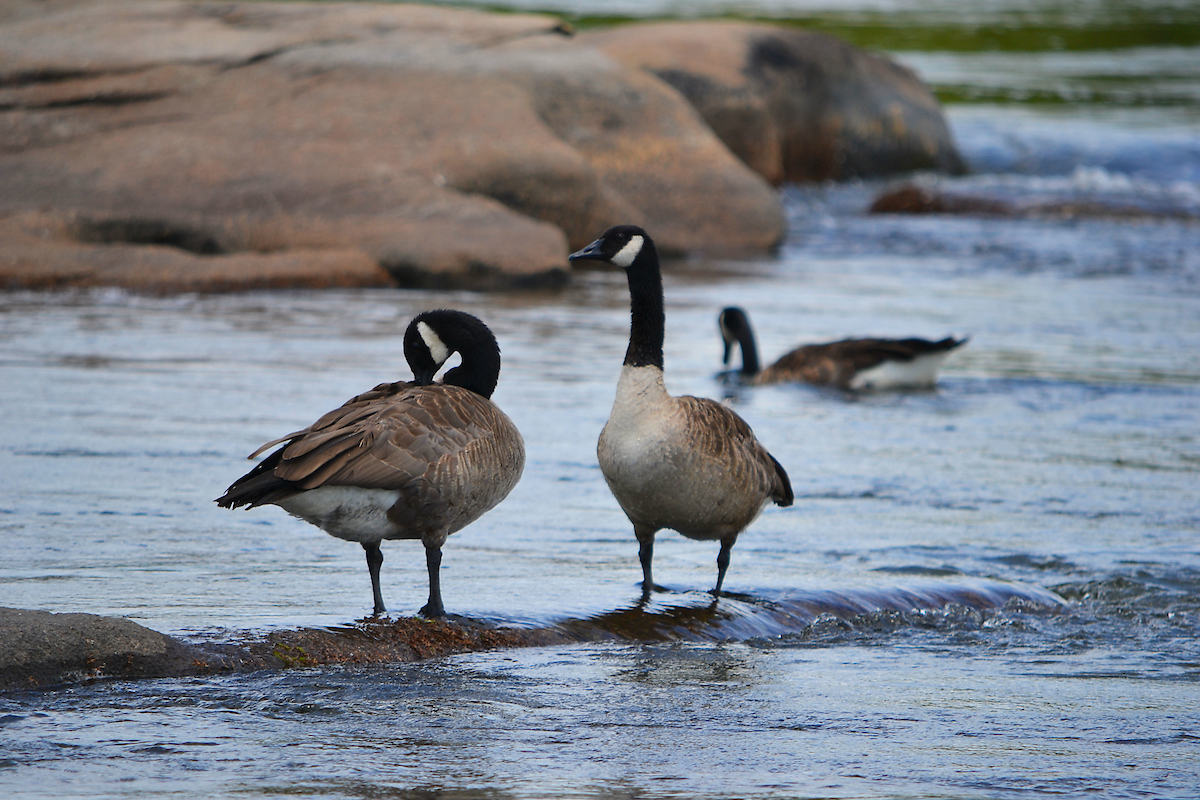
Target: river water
<point x="987" y="590"/>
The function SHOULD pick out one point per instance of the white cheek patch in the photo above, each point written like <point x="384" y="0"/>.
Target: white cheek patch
<point x="628" y="253"/>
<point x="437" y="348"/>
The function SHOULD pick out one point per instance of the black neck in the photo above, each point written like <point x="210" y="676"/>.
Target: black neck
<point x="647" y="318"/>
<point x="479" y="371"/>
<point x="745" y="338"/>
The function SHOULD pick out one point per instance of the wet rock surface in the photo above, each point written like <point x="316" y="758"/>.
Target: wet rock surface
<point x="43" y="649"/>
<point x="912" y="199"/>
<point x="40" y="650"/>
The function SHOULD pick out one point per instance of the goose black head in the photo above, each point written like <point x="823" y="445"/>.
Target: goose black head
<point x="620" y="246"/>
<point x="735" y="329"/>
<point x="629" y="247"/>
<point x="433" y="336"/>
<point x="734" y="325"/>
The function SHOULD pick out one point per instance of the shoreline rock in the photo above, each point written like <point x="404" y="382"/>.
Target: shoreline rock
<point x="167" y="145"/>
<point x="794" y="105"/>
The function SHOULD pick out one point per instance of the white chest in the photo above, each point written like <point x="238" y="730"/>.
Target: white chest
<point x="636" y="439"/>
<point x="347" y="512"/>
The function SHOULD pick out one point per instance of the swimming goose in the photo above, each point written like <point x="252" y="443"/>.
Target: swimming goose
<point x="847" y="364"/>
<point x="417" y="460"/>
<point x="684" y="463"/>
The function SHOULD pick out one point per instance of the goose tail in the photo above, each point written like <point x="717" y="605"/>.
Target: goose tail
<point x="783" y="495"/>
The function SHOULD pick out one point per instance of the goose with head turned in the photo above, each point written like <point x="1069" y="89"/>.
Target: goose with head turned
<point x="686" y="464"/>
<point x="408" y="460"/>
<point x="850" y="364"/>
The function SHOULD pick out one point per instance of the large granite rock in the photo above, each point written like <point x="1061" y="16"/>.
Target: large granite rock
<point x="165" y="145"/>
<point x="792" y="104"/>
<point x="232" y="144"/>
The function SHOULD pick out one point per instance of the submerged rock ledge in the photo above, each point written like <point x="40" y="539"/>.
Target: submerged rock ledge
<point x="40" y="650"/>
<point x="165" y="145"/>
<point x="913" y="199"/>
<point x="43" y="650"/>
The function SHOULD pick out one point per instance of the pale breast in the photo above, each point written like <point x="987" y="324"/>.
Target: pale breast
<point x="674" y="467"/>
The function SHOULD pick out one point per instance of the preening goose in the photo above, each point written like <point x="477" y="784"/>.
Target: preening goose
<point x="846" y="364"/>
<point x="417" y="460"/>
<point x="684" y="463"/>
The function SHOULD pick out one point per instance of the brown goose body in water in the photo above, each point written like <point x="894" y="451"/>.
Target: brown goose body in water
<point x="408" y="460"/>
<point x="686" y="464"/>
<point x="850" y="364"/>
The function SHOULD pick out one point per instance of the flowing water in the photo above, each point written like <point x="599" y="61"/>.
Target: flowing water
<point x="991" y="589"/>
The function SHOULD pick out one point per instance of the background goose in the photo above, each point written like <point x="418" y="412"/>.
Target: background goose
<point x="846" y="364"/>
<point x="417" y="460"/>
<point x="684" y="463"/>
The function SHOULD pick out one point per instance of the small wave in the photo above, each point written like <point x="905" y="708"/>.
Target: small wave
<point x="741" y="617"/>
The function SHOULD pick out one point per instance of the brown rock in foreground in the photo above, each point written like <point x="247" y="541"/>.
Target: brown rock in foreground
<point x="38" y="648"/>
<point x="172" y="146"/>
<point x="794" y="105"/>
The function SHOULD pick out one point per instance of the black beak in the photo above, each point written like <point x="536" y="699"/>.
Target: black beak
<point x="728" y="352"/>
<point x="590" y="253"/>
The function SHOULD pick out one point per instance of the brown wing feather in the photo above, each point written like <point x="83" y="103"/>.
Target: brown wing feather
<point x="720" y="434"/>
<point x="399" y="438"/>
<point x="428" y="442"/>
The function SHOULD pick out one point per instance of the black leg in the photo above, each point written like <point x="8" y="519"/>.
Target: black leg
<point x="433" y="561"/>
<point x="723" y="563"/>
<point x="374" y="562"/>
<point x="646" y="556"/>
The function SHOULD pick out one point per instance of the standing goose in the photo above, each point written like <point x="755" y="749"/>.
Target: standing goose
<point x="417" y="460"/>
<point x="850" y="364"/>
<point x="684" y="463"/>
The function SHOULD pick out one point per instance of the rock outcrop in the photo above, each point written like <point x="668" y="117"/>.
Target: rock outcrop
<point x="794" y="105"/>
<point x="165" y="145"/>
<point x="233" y="144"/>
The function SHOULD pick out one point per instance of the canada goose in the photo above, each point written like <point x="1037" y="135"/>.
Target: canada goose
<point x="847" y="364"/>
<point x="417" y="460"/>
<point x="684" y="463"/>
